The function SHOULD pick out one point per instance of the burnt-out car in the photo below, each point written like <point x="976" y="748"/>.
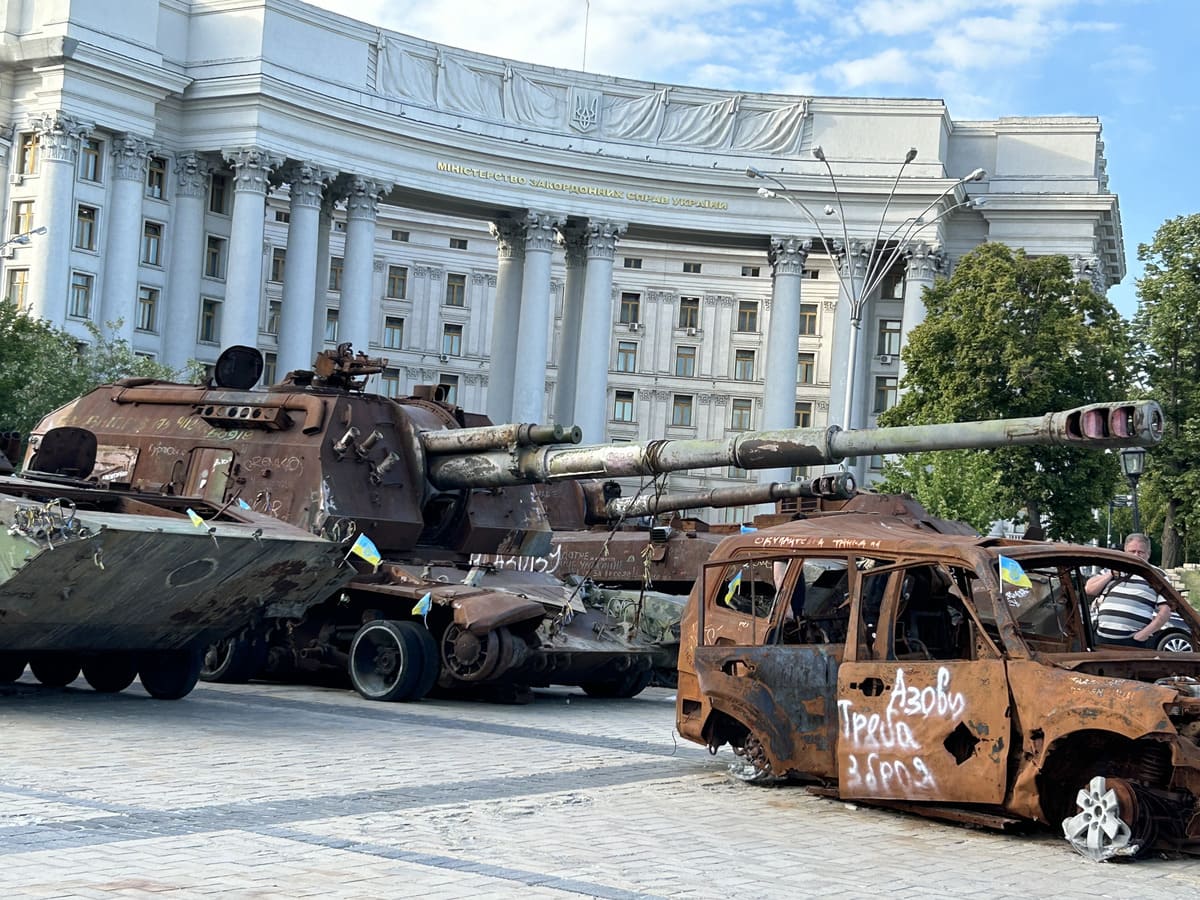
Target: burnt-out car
<point x="885" y="662"/>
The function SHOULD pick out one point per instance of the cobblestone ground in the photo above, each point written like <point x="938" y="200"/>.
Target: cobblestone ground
<point x="282" y="791"/>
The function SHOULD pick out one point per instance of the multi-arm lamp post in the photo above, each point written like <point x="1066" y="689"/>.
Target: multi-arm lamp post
<point x="882" y="254"/>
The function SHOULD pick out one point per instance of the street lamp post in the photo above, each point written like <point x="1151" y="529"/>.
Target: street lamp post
<point x="22" y="238"/>
<point x="1133" y="463"/>
<point x="882" y="254"/>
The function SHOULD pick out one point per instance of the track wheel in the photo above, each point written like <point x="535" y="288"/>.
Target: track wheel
<point x="431" y="663"/>
<point x="110" y="674"/>
<point x="56" y="669"/>
<point x="1108" y="823"/>
<point x="170" y="674"/>
<point x="387" y="660"/>
<point x="623" y="687"/>
<point x="234" y="660"/>
<point x="12" y="667"/>
<point x="468" y="656"/>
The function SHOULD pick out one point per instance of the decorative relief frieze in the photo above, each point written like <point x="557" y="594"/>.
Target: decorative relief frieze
<point x="829" y="305"/>
<point x="412" y="371"/>
<point x="486" y="278"/>
<point x="380" y="264"/>
<point x="660" y="296"/>
<point x="654" y="394"/>
<point x="433" y="273"/>
<point x="822" y="406"/>
<point x="472" y="379"/>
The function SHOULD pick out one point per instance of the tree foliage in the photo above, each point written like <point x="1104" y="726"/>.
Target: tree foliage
<point x="1008" y="335"/>
<point x="1167" y="334"/>
<point x="43" y="367"/>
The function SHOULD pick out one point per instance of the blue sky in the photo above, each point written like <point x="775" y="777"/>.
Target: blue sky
<point x="1133" y="63"/>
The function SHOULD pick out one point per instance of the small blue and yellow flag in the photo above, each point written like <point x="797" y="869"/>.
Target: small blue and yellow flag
<point x="734" y="583"/>
<point x="364" y="547"/>
<point x="746" y="529"/>
<point x="423" y="605"/>
<point x="1012" y="573"/>
<point x="195" y="517"/>
<point x="243" y="504"/>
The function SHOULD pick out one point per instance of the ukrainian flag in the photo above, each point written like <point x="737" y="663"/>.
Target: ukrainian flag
<point x="195" y="517"/>
<point x="367" y="550"/>
<point x="734" y="584"/>
<point x="423" y="605"/>
<point x="1012" y="573"/>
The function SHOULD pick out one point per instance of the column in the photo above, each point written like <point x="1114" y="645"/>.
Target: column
<point x="181" y="323"/>
<point x="321" y="282"/>
<point x="59" y="136"/>
<point x="533" y="332"/>
<point x="1091" y="270"/>
<point x="595" y="331"/>
<point x="252" y="168"/>
<point x="357" y="305"/>
<point x="574" y="238"/>
<point x="122" y="248"/>
<point x="922" y="267"/>
<point x="298" y="310"/>
<point x="506" y="316"/>
<point x="787" y="256"/>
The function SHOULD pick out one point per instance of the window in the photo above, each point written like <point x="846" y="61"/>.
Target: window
<point x="81" y="295"/>
<point x="274" y="308"/>
<point x="22" y="217"/>
<point x="450" y="383"/>
<point x="747" y="319"/>
<point x="735" y="472"/>
<point x="390" y="382"/>
<point x="270" y="364"/>
<point x="892" y="286"/>
<point x="152" y="235"/>
<point x="750" y="271"/>
<point x="626" y="356"/>
<point x="742" y="415"/>
<point x="90" y="160"/>
<point x="397" y="282"/>
<point x="85" y="227"/>
<point x="278" y="261"/>
<point x="214" y="257"/>
<point x="452" y="340"/>
<point x="18" y="287"/>
<point x="393" y="332"/>
<point x="889" y="337"/>
<point x="623" y="406"/>
<point x="876" y="463"/>
<point x="808" y="319"/>
<point x="885" y="393"/>
<point x="399" y="234"/>
<point x="147" y="309"/>
<point x="456" y="290"/>
<point x="685" y="362"/>
<point x="282" y="215"/>
<point x="210" y="321"/>
<point x="691" y="268"/>
<point x="156" y="177"/>
<point x="218" y="193"/>
<point x="632" y="262"/>
<point x="743" y="365"/>
<point x="630" y="307"/>
<point x="331" y="326"/>
<point x="458" y="243"/>
<point x="804" y="413"/>
<point x="339" y="226"/>
<point x="681" y="409"/>
<point x="689" y="312"/>
<point x="336" y="265"/>
<point x="27" y="158"/>
<point x="806" y="368"/>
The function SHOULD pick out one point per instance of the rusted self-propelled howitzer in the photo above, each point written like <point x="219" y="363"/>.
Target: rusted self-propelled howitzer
<point x="436" y="489"/>
<point x="124" y="584"/>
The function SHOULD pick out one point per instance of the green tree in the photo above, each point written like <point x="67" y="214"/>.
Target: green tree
<point x="43" y="367"/>
<point x="1012" y="335"/>
<point x="1167" y="331"/>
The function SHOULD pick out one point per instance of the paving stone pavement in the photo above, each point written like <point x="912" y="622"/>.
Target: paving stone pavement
<point x="264" y="791"/>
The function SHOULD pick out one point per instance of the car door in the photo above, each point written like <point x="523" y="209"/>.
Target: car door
<point x="922" y="720"/>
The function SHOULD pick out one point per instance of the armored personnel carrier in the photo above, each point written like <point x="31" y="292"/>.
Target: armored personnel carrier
<point x="434" y="491"/>
<point x="124" y="584"/>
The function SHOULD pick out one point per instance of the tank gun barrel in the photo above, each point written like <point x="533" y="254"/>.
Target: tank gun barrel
<point x="834" y="486"/>
<point x="497" y="437"/>
<point x="1097" y="426"/>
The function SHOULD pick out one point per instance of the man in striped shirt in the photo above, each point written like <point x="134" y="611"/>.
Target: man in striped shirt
<point x="1130" y="611"/>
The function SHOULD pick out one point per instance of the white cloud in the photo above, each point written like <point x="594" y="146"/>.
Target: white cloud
<point x="889" y="67"/>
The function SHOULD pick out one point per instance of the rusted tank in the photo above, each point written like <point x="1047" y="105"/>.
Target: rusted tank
<point x="123" y="584"/>
<point x="441" y="493"/>
<point x="952" y="675"/>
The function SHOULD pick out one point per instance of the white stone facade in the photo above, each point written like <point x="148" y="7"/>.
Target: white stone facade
<point x="244" y="171"/>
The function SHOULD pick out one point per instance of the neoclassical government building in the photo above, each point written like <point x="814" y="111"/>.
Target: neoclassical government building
<point x="551" y="245"/>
